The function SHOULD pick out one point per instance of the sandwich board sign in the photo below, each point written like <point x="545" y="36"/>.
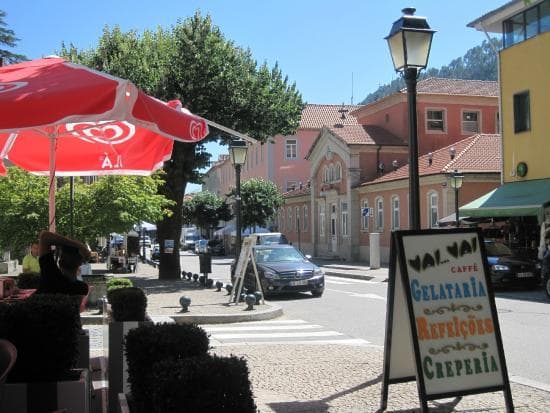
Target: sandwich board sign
<point x="442" y="328"/>
<point x="240" y="270"/>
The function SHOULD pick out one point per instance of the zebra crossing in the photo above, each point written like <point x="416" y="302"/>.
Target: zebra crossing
<point x="275" y="332"/>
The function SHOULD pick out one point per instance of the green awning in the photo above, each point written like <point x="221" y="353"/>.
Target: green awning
<point x="525" y="198"/>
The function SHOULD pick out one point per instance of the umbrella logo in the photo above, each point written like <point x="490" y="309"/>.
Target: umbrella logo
<point x="196" y="130"/>
<point x="104" y="132"/>
<point x="11" y="86"/>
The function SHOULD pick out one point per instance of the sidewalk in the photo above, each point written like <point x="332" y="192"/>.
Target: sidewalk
<point x="313" y="378"/>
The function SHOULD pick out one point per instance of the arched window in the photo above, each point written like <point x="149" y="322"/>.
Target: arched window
<point x="433" y="211"/>
<point x="289" y="221"/>
<point x="338" y="173"/>
<point x="306" y="219"/>
<point x="379" y="213"/>
<point x="325" y="172"/>
<point x="365" y="221"/>
<point x="395" y="217"/>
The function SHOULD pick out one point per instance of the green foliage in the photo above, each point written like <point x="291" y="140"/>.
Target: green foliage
<point x="193" y="62"/>
<point x="45" y="329"/>
<point x="127" y="303"/>
<point x="260" y="200"/>
<point x="149" y="344"/>
<point x="202" y="384"/>
<point x="205" y="210"/>
<point x="24" y="206"/>
<point x="114" y="283"/>
<point x="111" y="204"/>
<point x="479" y="63"/>
<point x="27" y="280"/>
<point x="7" y="38"/>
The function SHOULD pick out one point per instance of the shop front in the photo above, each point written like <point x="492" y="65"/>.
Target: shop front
<point x="518" y="213"/>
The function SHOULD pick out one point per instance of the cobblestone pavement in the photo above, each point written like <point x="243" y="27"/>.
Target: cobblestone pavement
<point x="313" y="378"/>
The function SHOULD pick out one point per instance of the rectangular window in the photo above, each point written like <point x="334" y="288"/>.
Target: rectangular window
<point x="527" y="24"/>
<point x="291" y="149"/>
<point x="291" y="185"/>
<point x="435" y="120"/>
<point x="470" y="122"/>
<point x="344" y="208"/>
<point x="306" y="219"/>
<point x="297" y="212"/>
<point x="544" y="16"/>
<point x="395" y="212"/>
<point x="522" y="112"/>
<point x="380" y="214"/>
<point x="365" y="222"/>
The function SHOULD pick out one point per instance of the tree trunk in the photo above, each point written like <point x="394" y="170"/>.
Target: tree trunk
<point x="176" y="179"/>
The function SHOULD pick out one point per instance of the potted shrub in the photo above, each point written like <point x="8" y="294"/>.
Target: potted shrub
<point x="45" y="329"/>
<point x="149" y="344"/>
<point x="201" y="384"/>
<point x="128" y="311"/>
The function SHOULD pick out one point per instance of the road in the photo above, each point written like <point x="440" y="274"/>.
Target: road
<point x="353" y="312"/>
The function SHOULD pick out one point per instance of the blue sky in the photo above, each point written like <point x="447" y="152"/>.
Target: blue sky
<point x="317" y="43"/>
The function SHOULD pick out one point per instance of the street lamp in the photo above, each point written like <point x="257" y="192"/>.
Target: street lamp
<point x="456" y="181"/>
<point x="410" y="40"/>
<point x="237" y="154"/>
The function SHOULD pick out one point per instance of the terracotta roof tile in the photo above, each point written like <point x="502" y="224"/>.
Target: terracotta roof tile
<point x="297" y="192"/>
<point x="366" y="134"/>
<point x="441" y="86"/>
<point x="316" y="116"/>
<point x="478" y="153"/>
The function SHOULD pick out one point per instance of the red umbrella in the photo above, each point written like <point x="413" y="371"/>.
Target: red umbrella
<point x="60" y="118"/>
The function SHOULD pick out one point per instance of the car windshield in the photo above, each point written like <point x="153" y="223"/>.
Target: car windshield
<point x="497" y="249"/>
<point x="265" y="255"/>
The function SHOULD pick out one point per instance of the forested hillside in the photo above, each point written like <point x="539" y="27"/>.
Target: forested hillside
<point x="479" y="63"/>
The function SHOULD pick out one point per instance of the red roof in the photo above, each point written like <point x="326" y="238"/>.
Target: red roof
<point x="366" y="134"/>
<point x="441" y="86"/>
<point x="316" y="116"/>
<point x="478" y="153"/>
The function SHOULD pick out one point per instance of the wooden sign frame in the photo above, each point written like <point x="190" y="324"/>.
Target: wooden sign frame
<point x="240" y="270"/>
<point x="439" y="284"/>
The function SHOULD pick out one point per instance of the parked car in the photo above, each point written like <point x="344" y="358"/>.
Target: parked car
<point x="216" y="247"/>
<point x="201" y="246"/>
<point x="282" y="268"/>
<point x="155" y="253"/>
<point x="507" y="269"/>
<point x="268" y="238"/>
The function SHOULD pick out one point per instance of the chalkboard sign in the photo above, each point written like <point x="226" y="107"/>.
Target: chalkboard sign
<point x="441" y="325"/>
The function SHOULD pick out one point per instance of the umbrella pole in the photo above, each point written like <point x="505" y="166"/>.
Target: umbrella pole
<point x="52" y="184"/>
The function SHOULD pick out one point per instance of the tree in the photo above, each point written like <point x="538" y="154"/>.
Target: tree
<point x="7" y="38"/>
<point x="260" y="200"/>
<point x="99" y="208"/>
<point x="215" y="79"/>
<point x="205" y="210"/>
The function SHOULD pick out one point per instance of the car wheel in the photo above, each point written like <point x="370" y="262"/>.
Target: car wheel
<point x="317" y="293"/>
<point x="547" y="285"/>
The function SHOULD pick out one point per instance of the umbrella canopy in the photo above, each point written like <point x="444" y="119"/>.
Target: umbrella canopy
<point x="60" y="118"/>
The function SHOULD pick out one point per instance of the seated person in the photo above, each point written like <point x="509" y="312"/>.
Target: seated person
<point x="61" y="277"/>
<point x="30" y="261"/>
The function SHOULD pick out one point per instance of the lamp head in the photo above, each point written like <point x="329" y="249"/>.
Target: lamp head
<point x="410" y="40"/>
<point x="237" y="152"/>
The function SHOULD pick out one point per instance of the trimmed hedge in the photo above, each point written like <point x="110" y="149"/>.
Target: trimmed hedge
<point x="128" y="304"/>
<point x="45" y="329"/>
<point x="146" y="345"/>
<point x="201" y="384"/>
<point x="28" y="280"/>
<point x="114" y="283"/>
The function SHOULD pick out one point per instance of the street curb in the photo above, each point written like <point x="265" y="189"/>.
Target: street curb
<point x="253" y="315"/>
<point x="349" y="275"/>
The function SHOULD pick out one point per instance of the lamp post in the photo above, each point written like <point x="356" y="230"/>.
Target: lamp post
<point x="409" y="41"/>
<point x="237" y="154"/>
<point x="456" y="181"/>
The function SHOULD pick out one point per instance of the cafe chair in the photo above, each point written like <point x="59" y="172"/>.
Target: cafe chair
<point x="8" y="356"/>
